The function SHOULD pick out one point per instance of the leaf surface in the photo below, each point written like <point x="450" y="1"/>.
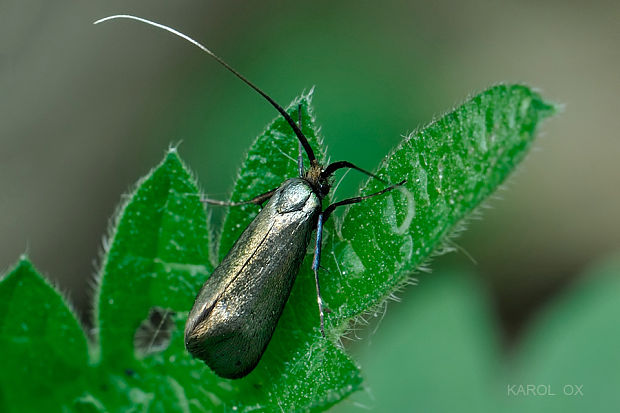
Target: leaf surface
<point x="159" y="255"/>
<point x="43" y="347"/>
<point x="451" y="166"/>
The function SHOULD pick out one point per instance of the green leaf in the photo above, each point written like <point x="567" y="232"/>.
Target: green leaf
<point x="450" y="166"/>
<point x="158" y="256"/>
<point x="43" y="347"/>
<point x="573" y="348"/>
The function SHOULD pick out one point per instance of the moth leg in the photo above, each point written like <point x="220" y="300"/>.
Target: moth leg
<point x="316" y="263"/>
<point x="357" y="199"/>
<point x="258" y="200"/>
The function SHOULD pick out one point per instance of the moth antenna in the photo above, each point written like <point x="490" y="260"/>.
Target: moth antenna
<point x="291" y="122"/>
<point x="333" y="167"/>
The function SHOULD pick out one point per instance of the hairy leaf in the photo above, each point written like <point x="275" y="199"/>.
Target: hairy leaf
<point x="159" y="255"/>
<point x="450" y="166"/>
<point x="43" y="348"/>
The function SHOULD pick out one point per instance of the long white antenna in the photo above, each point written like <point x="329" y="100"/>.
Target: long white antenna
<point x="161" y="26"/>
<point x="291" y="122"/>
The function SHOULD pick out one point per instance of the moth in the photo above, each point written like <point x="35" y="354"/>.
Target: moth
<point x="238" y="307"/>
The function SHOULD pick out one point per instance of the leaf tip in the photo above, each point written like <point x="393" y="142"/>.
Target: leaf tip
<point x="22" y="268"/>
<point x="174" y="147"/>
<point x="545" y="108"/>
<point x="172" y="152"/>
<point x="172" y="159"/>
<point x="24" y="264"/>
<point x="24" y="259"/>
<point x="308" y="96"/>
<point x="555" y="108"/>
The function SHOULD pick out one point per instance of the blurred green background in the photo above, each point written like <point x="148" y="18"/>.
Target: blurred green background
<point x="86" y="110"/>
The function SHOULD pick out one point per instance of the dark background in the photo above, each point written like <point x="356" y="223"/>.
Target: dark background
<point x="87" y="110"/>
